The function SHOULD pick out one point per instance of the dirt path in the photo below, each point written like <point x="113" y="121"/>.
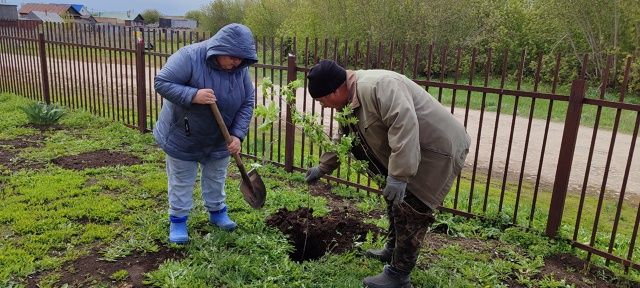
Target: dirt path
<point x="596" y="170"/>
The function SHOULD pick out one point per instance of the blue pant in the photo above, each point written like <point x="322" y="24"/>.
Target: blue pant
<point x="182" y="178"/>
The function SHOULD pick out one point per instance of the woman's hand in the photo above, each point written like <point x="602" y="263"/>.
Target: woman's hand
<point x="234" y="146"/>
<point x="204" y="96"/>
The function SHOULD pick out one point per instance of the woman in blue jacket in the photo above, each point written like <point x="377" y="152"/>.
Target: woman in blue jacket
<point x="215" y="70"/>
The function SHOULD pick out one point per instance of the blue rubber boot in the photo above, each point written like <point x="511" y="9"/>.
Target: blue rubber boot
<point x="221" y="219"/>
<point x="178" y="229"/>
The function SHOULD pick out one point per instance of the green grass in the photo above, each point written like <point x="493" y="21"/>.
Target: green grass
<point x="53" y="215"/>
<point x="539" y="220"/>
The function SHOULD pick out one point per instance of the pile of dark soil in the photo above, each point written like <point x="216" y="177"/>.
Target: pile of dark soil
<point x="91" y="271"/>
<point x="96" y="159"/>
<point x="9" y="150"/>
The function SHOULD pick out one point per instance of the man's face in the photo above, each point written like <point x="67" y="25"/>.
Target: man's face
<point x="330" y="100"/>
<point x="227" y="62"/>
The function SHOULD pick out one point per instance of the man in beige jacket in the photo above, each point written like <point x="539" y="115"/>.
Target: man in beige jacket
<point x="406" y="136"/>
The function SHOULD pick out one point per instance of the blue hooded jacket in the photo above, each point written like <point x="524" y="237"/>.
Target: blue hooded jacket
<point x="188" y="131"/>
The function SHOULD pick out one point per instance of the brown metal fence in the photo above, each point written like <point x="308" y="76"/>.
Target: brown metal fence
<point x="549" y="152"/>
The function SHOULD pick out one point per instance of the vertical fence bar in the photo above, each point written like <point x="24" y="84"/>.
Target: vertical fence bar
<point x="140" y="82"/>
<point x="565" y="158"/>
<point x="495" y="129"/>
<point x="10" y="48"/>
<point x="472" y="69"/>
<point x="44" y="72"/>
<point x="74" y="63"/>
<point x="3" y="62"/>
<point x="455" y="81"/>
<point x="264" y="98"/>
<point x="443" y="65"/>
<point x="120" y="92"/>
<point x="510" y="145"/>
<point x="130" y="62"/>
<point x="98" y="54"/>
<point x="92" y="68"/>
<point x="64" y="62"/>
<point x="544" y="141"/>
<point x="20" y="61"/>
<point x="304" y="100"/>
<point x="255" y="103"/>
<point x="33" y="63"/>
<point x="83" y="61"/>
<point x="528" y="134"/>
<point x="52" y="60"/>
<point x="153" y="63"/>
<point x="113" y="84"/>
<point x="290" y="129"/>
<point x="483" y="105"/>
<point x="272" y="77"/>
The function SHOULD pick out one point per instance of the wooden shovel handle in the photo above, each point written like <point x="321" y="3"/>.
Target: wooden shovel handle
<point x="227" y="138"/>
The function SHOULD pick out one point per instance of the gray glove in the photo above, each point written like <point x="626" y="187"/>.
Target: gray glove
<point x="395" y="189"/>
<point x="313" y="174"/>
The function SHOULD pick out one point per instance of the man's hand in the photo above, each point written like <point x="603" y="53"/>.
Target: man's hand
<point x="234" y="146"/>
<point x="395" y="190"/>
<point x="204" y="96"/>
<point x="313" y="174"/>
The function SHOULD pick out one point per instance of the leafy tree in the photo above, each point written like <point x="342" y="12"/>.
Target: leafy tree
<point x="222" y="12"/>
<point x="548" y="27"/>
<point x="265" y="17"/>
<point x="150" y="16"/>
<point x="197" y="15"/>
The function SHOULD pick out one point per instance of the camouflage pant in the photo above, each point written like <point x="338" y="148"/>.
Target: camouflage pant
<point x="408" y="224"/>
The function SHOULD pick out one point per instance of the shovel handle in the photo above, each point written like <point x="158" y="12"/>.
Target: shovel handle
<point x="227" y="138"/>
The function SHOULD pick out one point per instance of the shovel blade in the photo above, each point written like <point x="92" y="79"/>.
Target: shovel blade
<point x="254" y="192"/>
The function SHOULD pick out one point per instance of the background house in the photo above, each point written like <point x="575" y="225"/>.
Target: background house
<point x="8" y="12"/>
<point x="44" y="17"/>
<point x="107" y="21"/>
<point x="126" y="18"/>
<point x="73" y="13"/>
<point x="176" y="22"/>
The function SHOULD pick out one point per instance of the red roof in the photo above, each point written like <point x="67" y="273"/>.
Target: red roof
<point x="59" y="9"/>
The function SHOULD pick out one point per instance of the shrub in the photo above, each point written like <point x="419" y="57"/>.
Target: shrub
<point x="43" y="114"/>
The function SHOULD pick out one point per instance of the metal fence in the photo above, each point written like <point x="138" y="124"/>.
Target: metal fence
<point x="550" y="152"/>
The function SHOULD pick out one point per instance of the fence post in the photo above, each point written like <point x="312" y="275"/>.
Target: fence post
<point x="290" y="128"/>
<point x="565" y="159"/>
<point x="141" y="82"/>
<point x="44" y="72"/>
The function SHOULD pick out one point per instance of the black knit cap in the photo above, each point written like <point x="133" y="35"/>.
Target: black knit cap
<point x="325" y="77"/>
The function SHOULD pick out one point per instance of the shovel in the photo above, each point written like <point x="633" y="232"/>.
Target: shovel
<point x="252" y="187"/>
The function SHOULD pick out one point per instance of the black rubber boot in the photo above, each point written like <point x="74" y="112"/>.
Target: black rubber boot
<point x="384" y="254"/>
<point x="389" y="278"/>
